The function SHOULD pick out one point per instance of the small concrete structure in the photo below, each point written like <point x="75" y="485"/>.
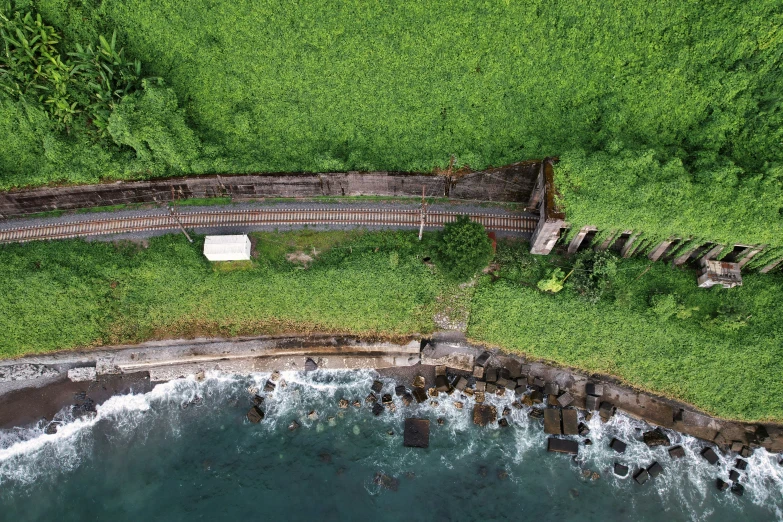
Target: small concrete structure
<point x="720" y="273"/>
<point x="227" y="248"/>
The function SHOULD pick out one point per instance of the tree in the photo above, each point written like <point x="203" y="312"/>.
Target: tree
<point x="464" y="248"/>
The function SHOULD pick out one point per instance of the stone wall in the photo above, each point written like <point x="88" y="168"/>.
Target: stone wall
<point x="513" y="183"/>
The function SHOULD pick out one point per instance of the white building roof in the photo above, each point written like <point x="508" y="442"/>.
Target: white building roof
<point x="227" y="248"/>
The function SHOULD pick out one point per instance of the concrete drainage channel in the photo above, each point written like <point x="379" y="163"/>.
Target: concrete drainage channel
<point x="458" y="365"/>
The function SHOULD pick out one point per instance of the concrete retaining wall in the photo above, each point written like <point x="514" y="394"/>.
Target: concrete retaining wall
<point x="513" y="183"/>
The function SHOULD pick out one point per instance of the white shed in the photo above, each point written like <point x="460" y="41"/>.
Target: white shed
<point x="227" y="248"/>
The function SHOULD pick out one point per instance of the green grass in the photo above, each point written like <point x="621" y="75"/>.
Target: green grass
<point x="723" y="352"/>
<point x="67" y="294"/>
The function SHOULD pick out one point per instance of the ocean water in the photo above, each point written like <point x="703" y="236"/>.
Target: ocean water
<point x="185" y="452"/>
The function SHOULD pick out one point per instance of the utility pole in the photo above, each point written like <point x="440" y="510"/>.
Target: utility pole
<point x="423" y="213"/>
<point x="176" y="219"/>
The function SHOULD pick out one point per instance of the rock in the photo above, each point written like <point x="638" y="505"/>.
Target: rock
<point x="596" y="390"/>
<point x="503" y="422"/>
<point x="738" y="489"/>
<point x="258" y="400"/>
<point x="419" y="382"/>
<point x="527" y="400"/>
<point x="84" y="374"/>
<point x="746" y="452"/>
<point x="481" y="386"/>
<point x="400" y="390"/>
<point x="565" y="400"/>
<point x="655" y="469"/>
<point x="53" y="426"/>
<point x="491" y="388"/>
<point x="483" y="359"/>
<point x="741" y="464"/>
<point x="417" y="433"/>
<point x="656" y="437"/>
<point x="480" y="397"/>
<point x="468" y="391"/>
<point x="552" y="421"/>
<point x="478" y="372"/>
<point x="432" y="392"/>
<point x="588" y="442"/>
<point x="377" y="409"/>
<point x="591" y="403"/>
<point x="710" y="455"/>
<point x="312" y="415"/>
<point x="606" y="410"/>
<point x="517" y="405"/>
<point x="357" y="404"/>
<point x="441" y="421"/>
<point x="583" y="429"/>
<point x="734" y="475"/>
<point x="440" y="370"/>
<point x="282" y="383"/>
<point x="551" y="400"/>
<point x="537" y="397"/>
<point x="419" y="394"/>
<point x="387" y="398"/>
<point x="536" y="413"/>
<point x="371" y="399"/>
<point x="275" y="376"/>
<point x="458" y="405"/>
<point x="551" y="388"/>
<point x="377" y="386"/>
<point x="343" y="403"/>
<point x="562" y="446"/>
<point x="441" y="383"/>
<point x="462" y="383"/>
<point x="500" y="392"/>
<point x="269" y="386"/>
<point x="294" y="425"/>
<point x="491" y="375"/>
<point x="484" y="414"/>
<point x="595" y="475"/>
<point x="514" y="368"/>
<point x="641" y="476"/>
<point x="570" y="422"/>
<point x="506" y="411"/>
<point x="721" y="485"/>
<point x="502" y="474"/>
<point x="618" y="445"/>
<point x="387" y="482"/>
<point x="736" y="446"/>
<point x="620" y="470"/>
<point x="434" y="404"/>
<point x="407" y="399"/>
<point x="677" y="452"/>
<point x="310" y="365"/>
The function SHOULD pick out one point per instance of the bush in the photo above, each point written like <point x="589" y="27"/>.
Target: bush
<point x="464" y="249"/>
<point x="593" y="273"/>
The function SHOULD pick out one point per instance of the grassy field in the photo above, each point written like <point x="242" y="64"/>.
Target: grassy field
<point x="718" y="349"/>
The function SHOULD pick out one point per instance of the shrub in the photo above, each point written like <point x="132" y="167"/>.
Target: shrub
<point x="464" y="248"/>
<point x="593" y="273"/>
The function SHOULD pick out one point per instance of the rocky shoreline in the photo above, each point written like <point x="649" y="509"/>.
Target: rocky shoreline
<point x="37" y="387"/>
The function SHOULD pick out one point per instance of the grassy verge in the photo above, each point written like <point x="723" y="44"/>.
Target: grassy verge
<point x="718" y="349"/>
<point x="68" y="294"/>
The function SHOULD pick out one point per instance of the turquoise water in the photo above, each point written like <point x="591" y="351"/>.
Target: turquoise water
<point x="186" y="452"/>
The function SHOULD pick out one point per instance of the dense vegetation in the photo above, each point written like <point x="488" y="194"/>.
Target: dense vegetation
<point x="464" y="249"/>
<point x="644" y="322"/>
<point x="667" y="114"/>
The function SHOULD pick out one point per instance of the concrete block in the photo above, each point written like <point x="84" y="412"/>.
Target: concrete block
<point x="484" y="414"/>
<point x="491" y="375"/>
<point x="618" y="445"/>
<point x="552" y="421"/>
<point x="641" y="476"/>
<point x="591" y="403"/>
<point x="734" y="475"/>
<point x="483" y="359"/>
<point x="441" y="383"/>
<point x="377" y="386"/>
<point x="481" y="386"/>
<point x="570" y="422"/>
<point x="478" y="372"/>
<point x="419" y="394"/>
<point x="417" y="433"/>
<point x="721" y="485"/>
<point x="562" y="446"/>
<point x="255" y="415"/>
<point x="84" y="374"/>
<point x="594" y="389"/>
<point x="741" y="464"/>
<point x="710" y="455"/>
<point x="400" y="390"/>
<point x="565" y="400"/>
<point x="738" y="489"/>
<point x="655" y="469"/>
<point x="377" y="409"/>
<point x="503" y="422"/>
<point x="677" y="452"/>
<point x="551" y="388"/>
<point x="462" y="383"/>
<point x="620" y="470"/>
